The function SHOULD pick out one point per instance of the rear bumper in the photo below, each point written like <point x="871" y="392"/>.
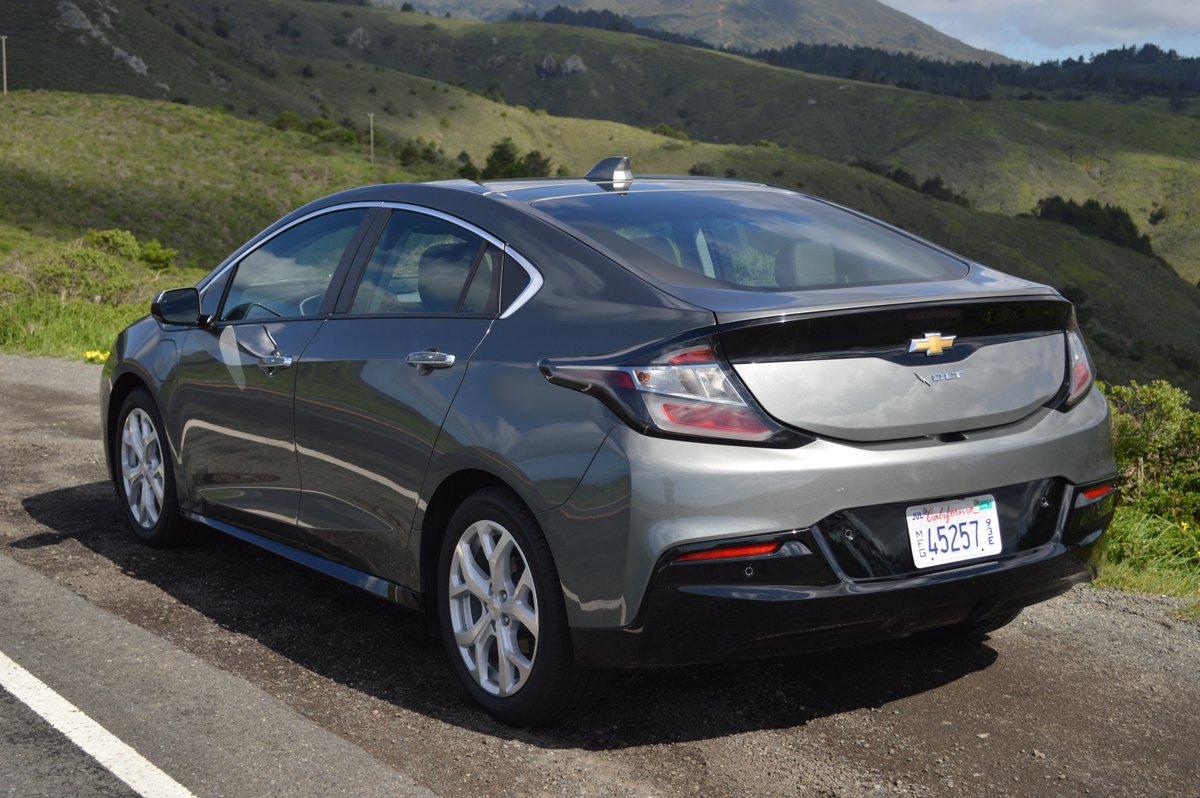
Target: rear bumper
<point x="795" y="601"/>
<point x="642" y="497"/>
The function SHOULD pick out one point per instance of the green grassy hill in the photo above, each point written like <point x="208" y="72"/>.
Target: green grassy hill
<point x="260" y="57"/>
<point x="203" y="181"/>
<point x="1003" y="155"/>
<point x="751" y="25"/>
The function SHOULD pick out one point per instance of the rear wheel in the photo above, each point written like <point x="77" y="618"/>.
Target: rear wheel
<point x="144" y="477"/>
<point x="502" y="615"/>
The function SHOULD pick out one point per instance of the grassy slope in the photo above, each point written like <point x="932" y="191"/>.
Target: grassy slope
<point x="750" y="26"/>
<point x="203" y="181"/>
<point x="198" y="179"/>
<point x="1004" y="155"/>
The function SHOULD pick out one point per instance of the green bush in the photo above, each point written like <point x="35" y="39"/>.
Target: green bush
<point x="507" y="161"/>
<point x="1154" y="541"/>
<point x="156" y="256"/>
<point x="82" y="271"/>
<point x="121" y="243"/>
<point x="71" y="297"/>
<point x="673" y="131"/>
<point x="1156" y="442"/>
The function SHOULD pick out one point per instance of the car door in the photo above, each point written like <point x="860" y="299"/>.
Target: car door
<point x="232" y="409"/>
<point x="377" y="380"/>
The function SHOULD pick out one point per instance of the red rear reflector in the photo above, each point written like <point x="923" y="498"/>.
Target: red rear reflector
<point x="1091" y="494"/>
<point x="730" y="552"/>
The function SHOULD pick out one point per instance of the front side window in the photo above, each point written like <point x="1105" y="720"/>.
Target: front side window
<point x="288" y="275"/>
<point x="423" y="264"/>
<point x="762" y="240"/>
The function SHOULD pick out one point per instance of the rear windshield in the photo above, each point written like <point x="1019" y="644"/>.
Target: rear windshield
<point x="765" y="240"/>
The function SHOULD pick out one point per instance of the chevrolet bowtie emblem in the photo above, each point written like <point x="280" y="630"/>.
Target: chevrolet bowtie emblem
<point x="932" y="344"/>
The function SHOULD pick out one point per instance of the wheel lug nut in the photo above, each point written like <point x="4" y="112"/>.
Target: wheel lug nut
<point x="505" y="620"/>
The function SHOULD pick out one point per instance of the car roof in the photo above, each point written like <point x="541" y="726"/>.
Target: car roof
<point x="530" y="190"/>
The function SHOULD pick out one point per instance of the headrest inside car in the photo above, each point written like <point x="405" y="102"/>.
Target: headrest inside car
<point x="441" y="274"/>
<point x="800" y="264"/>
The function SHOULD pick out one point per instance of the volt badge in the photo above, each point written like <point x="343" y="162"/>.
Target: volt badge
<point x="932" y="344"/>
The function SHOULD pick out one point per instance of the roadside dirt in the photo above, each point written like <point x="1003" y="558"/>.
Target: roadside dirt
<point x="1095" y="693"/>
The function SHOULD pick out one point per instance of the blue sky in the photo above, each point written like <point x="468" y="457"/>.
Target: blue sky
<point x="1037" y="30"/>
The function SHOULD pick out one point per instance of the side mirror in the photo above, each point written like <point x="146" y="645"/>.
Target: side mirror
<point x="180" y="306"/>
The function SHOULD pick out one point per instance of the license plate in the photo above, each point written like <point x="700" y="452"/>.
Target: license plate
<point x="946" y="532"/>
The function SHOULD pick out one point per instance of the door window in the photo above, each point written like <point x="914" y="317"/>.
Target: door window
<point x="423" y="264"/>
<point x="288" y="275"/>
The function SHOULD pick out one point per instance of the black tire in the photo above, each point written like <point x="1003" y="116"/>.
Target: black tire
<point x="554" y="686"/>
<point x="147" y="499"/>
<point x="976" y="630"/>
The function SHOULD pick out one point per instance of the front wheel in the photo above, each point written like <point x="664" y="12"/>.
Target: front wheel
<point x="144" y="478"/>
<point x="502" y="616"/>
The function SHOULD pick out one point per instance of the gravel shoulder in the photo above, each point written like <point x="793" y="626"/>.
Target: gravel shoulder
<point x="1095" y="693"/>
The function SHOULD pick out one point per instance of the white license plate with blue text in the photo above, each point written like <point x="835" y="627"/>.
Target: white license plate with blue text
<point x="946" y="532"/>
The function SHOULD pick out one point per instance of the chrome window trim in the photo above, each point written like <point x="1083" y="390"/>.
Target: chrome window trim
<point x="535" y="277"/>
<point x="257" y="244"/>
<point x="535" y="282"/>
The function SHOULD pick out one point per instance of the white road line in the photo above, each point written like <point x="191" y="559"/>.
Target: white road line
<point x="122" y="761"/>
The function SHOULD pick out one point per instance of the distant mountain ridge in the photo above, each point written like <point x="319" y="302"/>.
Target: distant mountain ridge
<point x="749" y="25"/>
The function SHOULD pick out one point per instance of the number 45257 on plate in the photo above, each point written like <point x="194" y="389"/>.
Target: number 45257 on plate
<point x="946" y="532"/>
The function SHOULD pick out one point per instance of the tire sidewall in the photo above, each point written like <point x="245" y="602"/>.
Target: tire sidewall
<point x="552" y="658"/>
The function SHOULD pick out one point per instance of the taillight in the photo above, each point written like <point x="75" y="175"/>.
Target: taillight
<point x="687" y="391"/>
<point x="1080" y="372"/>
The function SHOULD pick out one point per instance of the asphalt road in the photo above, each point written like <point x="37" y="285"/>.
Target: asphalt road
<point x="238" y="673"/>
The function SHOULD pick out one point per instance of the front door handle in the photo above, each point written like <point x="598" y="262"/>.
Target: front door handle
<point x="274" y="362"/>
<point x="429" y="360"/>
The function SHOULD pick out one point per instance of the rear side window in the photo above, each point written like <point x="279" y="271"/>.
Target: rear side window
<point x="764" y="240"/>
<point x="423" y="264"/>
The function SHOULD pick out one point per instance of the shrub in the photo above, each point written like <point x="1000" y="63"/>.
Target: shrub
<point x="1156" y="442"/>
<point x="121" y="243"/>
<point x="673" y="130"/>
<point x="158" y="257"/>
<point x="1110" y="222"/>
<point x="507" y="161"/>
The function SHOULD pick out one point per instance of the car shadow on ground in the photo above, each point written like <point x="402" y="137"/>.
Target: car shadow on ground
<point x="352" y="638"/>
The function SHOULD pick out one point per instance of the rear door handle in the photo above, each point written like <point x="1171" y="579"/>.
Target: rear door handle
<point x="429" y="360"/>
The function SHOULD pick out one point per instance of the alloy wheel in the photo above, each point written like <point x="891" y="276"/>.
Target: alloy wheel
<point x="493" y="608"/>
<point x="142" y="468"/>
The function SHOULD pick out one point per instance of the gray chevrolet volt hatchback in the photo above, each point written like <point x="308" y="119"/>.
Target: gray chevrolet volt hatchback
<point x="621" y="421"/>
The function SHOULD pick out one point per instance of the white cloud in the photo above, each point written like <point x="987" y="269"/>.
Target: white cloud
<point x="1045" y="28"/>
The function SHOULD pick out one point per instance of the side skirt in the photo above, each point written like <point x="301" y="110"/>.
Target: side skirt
<point x="352" y="576"/>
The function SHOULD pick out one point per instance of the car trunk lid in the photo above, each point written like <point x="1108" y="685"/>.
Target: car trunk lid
<point x="929" y="368"/>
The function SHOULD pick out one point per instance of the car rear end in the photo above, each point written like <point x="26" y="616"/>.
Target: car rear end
<point x="874" y="437"/>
